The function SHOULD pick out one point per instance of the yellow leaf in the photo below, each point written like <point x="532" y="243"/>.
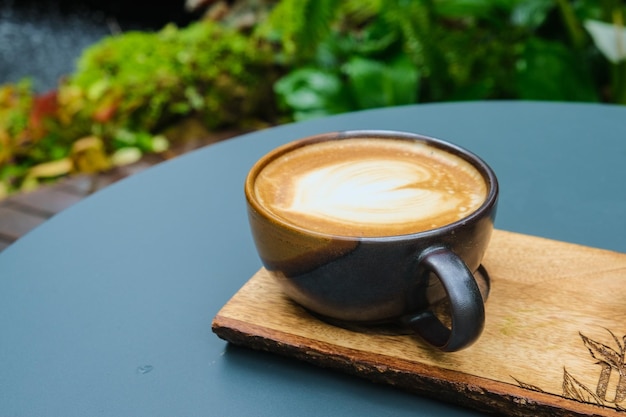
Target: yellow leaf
<point x="88" y="155"/>
<point x="51" y="169"/>
<point x="71" y="101"/>
<point x="29" y="184"/>
<point x="4" y="190"/>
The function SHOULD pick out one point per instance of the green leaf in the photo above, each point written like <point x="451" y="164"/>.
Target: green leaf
<point x="375" y="83"/>
<point x="312" y="92"/>
<point x="477" y="90"/>
<point x="98" y="89"/>
<point x="550" y="71"/>
<point x="471" y="8"/>
<point x="194" y="98"/>
<point x="125" y="137"/>
<point x="300" y="25"/>
<point x="375" y="38"/>
<point x="531" y="13"/>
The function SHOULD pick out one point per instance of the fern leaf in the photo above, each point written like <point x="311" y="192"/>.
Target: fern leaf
<point x="301" y="24"/>
<point x="573" y="389"/>
<point x="602" y="352"/>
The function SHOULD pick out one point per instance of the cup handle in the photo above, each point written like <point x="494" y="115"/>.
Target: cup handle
<point x="467" y="308"/>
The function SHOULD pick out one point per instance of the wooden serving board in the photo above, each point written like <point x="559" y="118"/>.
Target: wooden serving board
<point x="553" y="344"/>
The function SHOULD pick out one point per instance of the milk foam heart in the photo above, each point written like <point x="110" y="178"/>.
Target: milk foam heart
<point x="370" y="187"/>
<point x="369" y="192"/>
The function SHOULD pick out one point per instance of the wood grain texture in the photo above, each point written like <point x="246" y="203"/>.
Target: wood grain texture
<point x="553" y="343"/>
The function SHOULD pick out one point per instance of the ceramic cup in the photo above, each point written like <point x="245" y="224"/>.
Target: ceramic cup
<point x="365" y="227"/>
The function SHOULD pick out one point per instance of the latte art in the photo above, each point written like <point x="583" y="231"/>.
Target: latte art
<point x="370" y="187"/>
<point x="369" y="192"/>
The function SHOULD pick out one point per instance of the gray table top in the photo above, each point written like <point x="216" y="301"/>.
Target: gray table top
<point x="106" y="309"/>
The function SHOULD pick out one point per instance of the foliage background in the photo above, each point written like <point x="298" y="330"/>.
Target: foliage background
<point x="258" y="63"/>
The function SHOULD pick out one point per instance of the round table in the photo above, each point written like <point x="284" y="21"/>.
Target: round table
<point x="106" y="309"/>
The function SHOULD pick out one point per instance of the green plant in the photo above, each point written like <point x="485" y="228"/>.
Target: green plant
<point x="126" y="91"/>
<point x="27" y="133"/>
<point x="142" y="81"/>
<point x="346" y="55"/>
<point x="312" y="58"/>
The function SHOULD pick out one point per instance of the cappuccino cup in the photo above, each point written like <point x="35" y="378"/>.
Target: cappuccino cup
<point x="369" y="227"/>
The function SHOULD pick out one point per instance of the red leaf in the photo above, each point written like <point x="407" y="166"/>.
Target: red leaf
<point x="105" y="112"/>
<point x="44" y="106"/>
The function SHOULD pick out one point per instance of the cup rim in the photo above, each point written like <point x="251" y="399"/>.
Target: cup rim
<point x="476" y="161"/>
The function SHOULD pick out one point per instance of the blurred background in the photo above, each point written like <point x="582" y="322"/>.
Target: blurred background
<point x="86" y="86"/>
<point x="43" y="38"/>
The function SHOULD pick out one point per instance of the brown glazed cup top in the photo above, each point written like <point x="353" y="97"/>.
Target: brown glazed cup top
<point x="393" y="278"/>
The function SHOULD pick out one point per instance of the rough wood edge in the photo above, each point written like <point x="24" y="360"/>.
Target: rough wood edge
<point x="446" y="385"/>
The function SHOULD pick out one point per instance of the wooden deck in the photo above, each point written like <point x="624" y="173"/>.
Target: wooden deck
<point x="21" y="213"/>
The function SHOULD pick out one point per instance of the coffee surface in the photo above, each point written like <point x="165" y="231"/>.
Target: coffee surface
<point x="370" y="187"/>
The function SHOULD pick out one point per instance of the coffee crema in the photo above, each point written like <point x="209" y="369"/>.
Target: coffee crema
<point x="370" y="187"/>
